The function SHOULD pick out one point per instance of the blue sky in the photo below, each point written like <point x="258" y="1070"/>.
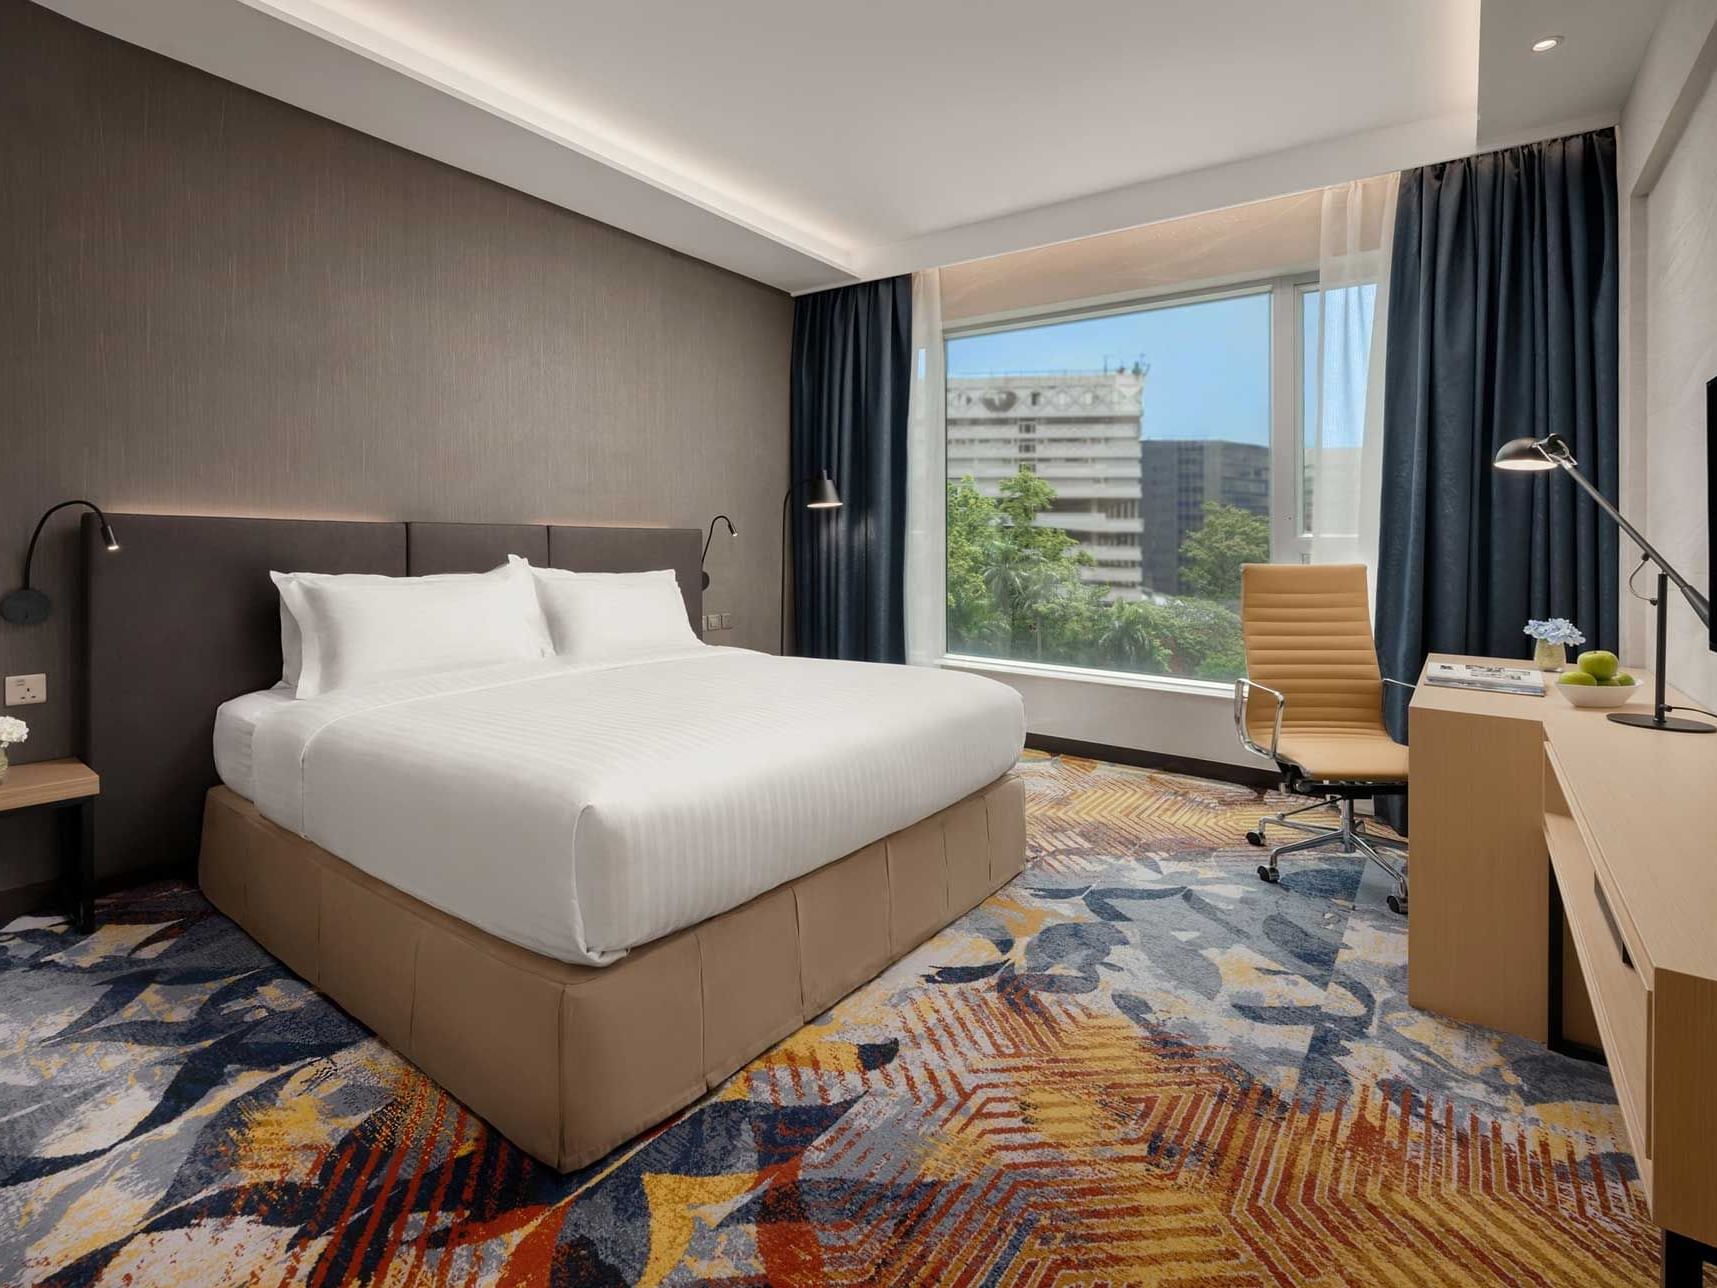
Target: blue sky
<point x="1210" y="362"/>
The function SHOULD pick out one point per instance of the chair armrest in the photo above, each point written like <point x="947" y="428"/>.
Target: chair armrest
<point x="1401" y="684"/>
<point x="1242" y="699"/>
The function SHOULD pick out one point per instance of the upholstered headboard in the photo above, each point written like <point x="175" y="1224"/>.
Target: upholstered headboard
<point x="184" y="617"/>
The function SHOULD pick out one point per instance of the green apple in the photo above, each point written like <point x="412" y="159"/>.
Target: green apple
<point x="1625" y="680"/>
<point x="1601" y="664"/>
<point x="1576" y="678"/>
<point x="1608" y="682"/>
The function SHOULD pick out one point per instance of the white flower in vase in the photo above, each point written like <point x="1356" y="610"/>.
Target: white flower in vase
<point x="12" y="730"/>
<point x="1554" y="635"/>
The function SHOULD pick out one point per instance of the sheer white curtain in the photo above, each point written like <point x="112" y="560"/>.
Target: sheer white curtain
<point x="1344" y="403"/>
<point x="926" y="479"/>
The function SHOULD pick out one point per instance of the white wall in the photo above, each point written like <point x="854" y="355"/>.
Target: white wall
<point x="1669" y="321"/>
<point x="1163" y="716"/>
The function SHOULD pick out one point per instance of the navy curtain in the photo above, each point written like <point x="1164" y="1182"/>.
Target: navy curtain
<point x="852" y="378"/>
<point x="1502" y="323"/>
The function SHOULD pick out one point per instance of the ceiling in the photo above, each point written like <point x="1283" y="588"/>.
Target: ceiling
<point x="807" y="145"/>
<point x="1581" y="83"/>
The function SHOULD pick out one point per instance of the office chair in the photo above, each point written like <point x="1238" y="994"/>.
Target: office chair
<point x="1309" y="651"/>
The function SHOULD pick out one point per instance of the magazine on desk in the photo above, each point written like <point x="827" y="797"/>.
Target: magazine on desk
<point x="1493" y="679"/>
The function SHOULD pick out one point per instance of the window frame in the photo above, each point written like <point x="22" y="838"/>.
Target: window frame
<point x="1288" y="543"/>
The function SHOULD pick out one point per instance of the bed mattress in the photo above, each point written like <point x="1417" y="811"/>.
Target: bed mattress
<point x="235" y="727"/>
<point x="581" y="811"/>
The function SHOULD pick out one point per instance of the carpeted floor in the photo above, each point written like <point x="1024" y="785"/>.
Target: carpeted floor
<point x="1136" y="1064"/>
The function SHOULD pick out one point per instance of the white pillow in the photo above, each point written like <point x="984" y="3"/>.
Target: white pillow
<point x="609" y="616"/>
<point x="291" y="637"/>
<point x="356" y="629"/>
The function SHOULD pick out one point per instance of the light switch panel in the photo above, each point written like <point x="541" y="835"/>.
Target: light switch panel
<point x="26" y="690"/>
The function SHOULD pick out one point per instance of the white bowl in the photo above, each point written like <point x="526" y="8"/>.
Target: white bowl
<point x="1596" y="695"/>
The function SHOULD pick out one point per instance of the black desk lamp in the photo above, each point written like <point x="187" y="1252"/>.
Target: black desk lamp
<point x="1552" y="453"/>
<point x="28" y="606"/>
<point x="710" y="536"/>
<point x="823" y="497"/>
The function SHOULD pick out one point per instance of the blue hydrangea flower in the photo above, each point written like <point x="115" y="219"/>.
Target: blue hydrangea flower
<point x="1555" y="630"/>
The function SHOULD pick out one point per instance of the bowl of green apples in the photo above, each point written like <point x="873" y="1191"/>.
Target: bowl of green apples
<point x="1597" y="680"/>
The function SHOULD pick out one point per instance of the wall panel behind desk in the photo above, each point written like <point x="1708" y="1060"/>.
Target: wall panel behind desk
<point x="212" y="302"/>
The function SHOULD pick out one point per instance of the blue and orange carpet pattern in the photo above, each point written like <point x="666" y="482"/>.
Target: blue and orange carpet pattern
<point x="1136" y="1064"/>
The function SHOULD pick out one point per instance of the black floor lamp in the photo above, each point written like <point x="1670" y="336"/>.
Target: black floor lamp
<point x="822" y="497"/>
<point x="1552" y="453"/>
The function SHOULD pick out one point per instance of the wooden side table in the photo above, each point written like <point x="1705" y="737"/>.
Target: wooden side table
<point x="69" y="789"/>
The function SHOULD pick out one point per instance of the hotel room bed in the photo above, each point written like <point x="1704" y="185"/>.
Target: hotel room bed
<point x="632" y="800"/>
<point x="577" y="897"/>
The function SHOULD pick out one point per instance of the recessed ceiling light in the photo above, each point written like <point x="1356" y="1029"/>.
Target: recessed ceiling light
<point x="1546" y="45"/>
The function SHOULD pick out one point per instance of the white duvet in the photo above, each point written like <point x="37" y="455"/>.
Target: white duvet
<point x="580" y="811"/>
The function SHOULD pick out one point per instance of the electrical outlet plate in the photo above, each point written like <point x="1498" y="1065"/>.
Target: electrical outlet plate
<point x="26" y="690"/>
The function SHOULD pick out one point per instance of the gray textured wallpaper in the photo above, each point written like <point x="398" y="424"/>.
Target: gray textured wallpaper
<point x="213" y="303"/>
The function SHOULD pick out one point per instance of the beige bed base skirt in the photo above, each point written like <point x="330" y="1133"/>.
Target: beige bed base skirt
<point x="570" y="1061"/>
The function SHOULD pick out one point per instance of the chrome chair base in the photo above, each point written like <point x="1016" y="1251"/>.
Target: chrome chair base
<point x="1349" y="837"/>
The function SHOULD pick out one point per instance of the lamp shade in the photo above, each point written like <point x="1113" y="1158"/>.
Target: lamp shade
<point x="823" y="494"/>
<point x="1524" y="454"/>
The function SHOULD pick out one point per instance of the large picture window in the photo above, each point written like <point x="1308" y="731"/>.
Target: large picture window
<point x="1110" y="469"/>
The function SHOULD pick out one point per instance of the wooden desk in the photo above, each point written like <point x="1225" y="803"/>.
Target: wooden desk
<point x="1549" y="842"/>
<point x="68" y="787"/>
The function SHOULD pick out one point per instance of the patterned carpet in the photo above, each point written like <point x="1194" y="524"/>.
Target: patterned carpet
<point x="1136" y="1064"/>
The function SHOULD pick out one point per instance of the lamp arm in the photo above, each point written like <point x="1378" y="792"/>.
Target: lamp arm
<point x="1700" y="604"/>
<point x="30" y="553"/>
<point x="710" y="536"/>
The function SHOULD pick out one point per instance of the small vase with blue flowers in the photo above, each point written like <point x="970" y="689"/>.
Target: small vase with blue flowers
<point x="1553" y="637"/>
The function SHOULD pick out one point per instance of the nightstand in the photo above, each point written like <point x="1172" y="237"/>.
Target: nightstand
<point x="69" y="788"/>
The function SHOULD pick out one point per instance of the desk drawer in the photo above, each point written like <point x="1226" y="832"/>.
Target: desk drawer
<point x="1616" y="976"/>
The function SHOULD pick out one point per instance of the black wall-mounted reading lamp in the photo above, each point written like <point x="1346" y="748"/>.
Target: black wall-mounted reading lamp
<point x="1539" y="455"/>
<point x="710" y="536"/>
<point x="28" y="606"/>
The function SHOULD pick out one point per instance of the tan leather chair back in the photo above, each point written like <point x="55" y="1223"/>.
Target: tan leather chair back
<point x="1307" y="632"/>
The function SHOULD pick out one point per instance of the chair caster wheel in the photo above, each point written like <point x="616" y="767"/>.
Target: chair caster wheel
<point x="1255" y="838"/>
<point x="1267" y="875"/>
<point x="1398" y="905"/>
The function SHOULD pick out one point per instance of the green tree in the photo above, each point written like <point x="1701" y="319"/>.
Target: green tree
<point x="1013" y="584"/>
<point x="1016" y="589"/>
<point x="973" y="619"/>
<point x="1211" y="554"/>
<point x="1202" y="639"/>
<point x="1130" y="637"/>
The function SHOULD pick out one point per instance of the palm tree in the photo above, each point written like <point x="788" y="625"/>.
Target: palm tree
<point x="1023" y="583"/>
<point x="1129" y="636"/>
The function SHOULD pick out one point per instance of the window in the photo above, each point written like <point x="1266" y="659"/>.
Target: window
<point x="1190" y="434"/>
<point x="1335" y="353"/>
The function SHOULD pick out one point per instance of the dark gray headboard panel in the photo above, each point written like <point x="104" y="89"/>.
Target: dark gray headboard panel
<point x="472" y="547"/>
<point x="634" y="550"/>
<point x="183" y="617"/>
